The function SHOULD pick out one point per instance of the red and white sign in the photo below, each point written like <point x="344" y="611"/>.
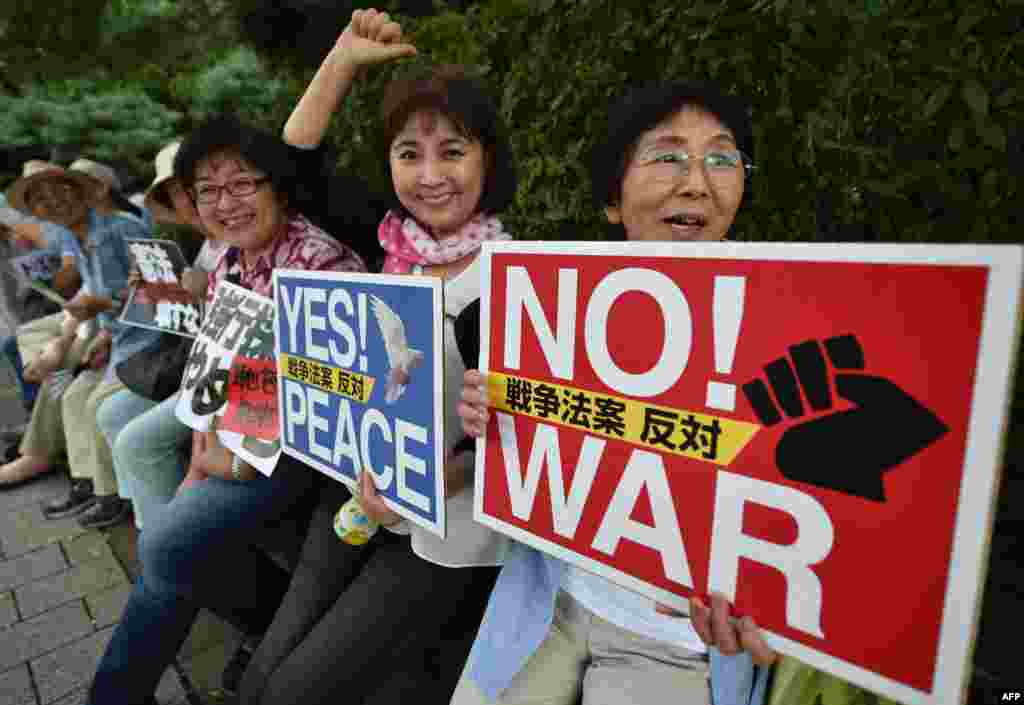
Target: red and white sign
<point x="812" y="430"/>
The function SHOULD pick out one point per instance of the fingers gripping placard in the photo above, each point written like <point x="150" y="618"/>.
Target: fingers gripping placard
<point x="786" y="425"/>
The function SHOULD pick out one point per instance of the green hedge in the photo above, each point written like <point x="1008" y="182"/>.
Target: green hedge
<point x="892" y="121"/>
<point x="111" y="123"/>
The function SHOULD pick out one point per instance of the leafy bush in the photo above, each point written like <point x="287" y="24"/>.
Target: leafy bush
<point x="240" y="83"/>
<point x="878" y="121"/>
<point x="121" y="126"/>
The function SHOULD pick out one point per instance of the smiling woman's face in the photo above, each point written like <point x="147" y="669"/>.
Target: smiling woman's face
<point x="437" y="172"/>
<point x="662" y="199"/>
<point x="248" y="222"/>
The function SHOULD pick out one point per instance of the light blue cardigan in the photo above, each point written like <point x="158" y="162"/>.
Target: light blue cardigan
<point x="518" y="619"/>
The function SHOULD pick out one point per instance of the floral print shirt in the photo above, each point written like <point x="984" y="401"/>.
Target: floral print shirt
<point x="303" y="246"/>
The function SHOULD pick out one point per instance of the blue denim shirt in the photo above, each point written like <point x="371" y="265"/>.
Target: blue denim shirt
<point x="104" y="263"/>
<point x="518" y="619"/>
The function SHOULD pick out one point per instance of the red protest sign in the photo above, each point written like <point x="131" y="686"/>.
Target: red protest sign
<point x="811" y="430"/>
<point x="252" y="398"/>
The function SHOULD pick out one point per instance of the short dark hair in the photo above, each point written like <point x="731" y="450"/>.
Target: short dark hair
<point x="463" y="100"/>
<point x="642" y="108"/>
<point x="264" y="150"/>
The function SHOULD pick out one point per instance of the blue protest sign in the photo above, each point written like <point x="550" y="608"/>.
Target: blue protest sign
<point x="361" y="370"/>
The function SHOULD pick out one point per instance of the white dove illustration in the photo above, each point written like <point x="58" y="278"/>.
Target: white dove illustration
<point x="401" y="358"/>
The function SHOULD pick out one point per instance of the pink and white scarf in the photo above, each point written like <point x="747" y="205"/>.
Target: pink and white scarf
<point x="407" y="244"/>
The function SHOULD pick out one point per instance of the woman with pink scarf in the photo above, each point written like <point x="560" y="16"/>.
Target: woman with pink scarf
<point x="406" y="598"/>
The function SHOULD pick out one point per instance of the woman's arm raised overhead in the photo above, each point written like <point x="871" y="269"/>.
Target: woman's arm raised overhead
<point x="370" y="38"/>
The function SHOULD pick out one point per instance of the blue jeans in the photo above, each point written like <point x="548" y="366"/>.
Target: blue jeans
<point x="197" y="552"/>
<point x="148" y="443"/>
<point x="13" y="355"/>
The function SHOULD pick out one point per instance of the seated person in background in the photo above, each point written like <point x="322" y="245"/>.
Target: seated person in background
<point x="66" y="418"/>
<point x="143" y="432"/>
<point x="22" y="234"/>
<point x="555" y="633"/>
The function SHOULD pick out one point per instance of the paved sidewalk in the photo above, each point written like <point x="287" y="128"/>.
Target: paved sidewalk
<point x="62" y="591"/>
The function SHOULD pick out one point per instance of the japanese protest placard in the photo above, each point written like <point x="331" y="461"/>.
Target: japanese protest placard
<point x="160" y="302"/>
<point x="225" y="373"/>
<point x="39" y="265"/>
<point x="361" y="383"/>
<point x="248" y="424"/>
<point x="813" y="431"/>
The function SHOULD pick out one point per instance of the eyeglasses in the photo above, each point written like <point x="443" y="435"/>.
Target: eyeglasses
<point x="208" y="194"/>
<point x="672" y="163"/>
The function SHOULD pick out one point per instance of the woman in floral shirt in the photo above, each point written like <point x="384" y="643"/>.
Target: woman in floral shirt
<point x="196" y="551"/>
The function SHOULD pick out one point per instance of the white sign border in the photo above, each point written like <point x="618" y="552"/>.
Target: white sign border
<point x="983" y="453"/>
<point x="131" y="296"/>
<point x="182" y="410"/>
<point x="436" y="286"/>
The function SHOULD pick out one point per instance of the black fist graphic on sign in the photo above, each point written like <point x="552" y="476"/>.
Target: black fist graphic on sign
<point x="848" y="450"/>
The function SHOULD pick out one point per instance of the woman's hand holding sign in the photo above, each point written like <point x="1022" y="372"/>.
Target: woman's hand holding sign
<point x="373" y="505"/>
<point x="729" y="635"/>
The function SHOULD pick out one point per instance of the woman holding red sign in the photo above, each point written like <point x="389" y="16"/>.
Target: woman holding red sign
<point x="674" y="166"/>
<point x="196" y="550"/>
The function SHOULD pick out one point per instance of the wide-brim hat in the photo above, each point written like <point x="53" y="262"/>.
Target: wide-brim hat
<point x="156" y="197"/>
<point x="100" y="174"/>
<point x="35" y="171"/>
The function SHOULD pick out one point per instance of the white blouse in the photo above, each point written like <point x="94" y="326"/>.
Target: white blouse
<point x="468" y="543"/>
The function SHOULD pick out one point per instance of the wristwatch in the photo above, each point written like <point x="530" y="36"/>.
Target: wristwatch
<point x="236" y="468"/>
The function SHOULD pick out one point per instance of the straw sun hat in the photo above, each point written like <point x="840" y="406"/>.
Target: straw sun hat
<point x="156" y="197"/>
<point x="92" y="177"/>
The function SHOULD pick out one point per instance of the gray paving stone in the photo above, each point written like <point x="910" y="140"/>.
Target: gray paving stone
<point x="31" y="566"/>
<point x="170" y="692"/>
<point x="70" y="667"/>
<point x="8" y="610"/>
<point x="71" y="584"/>
<point x="208" y="631"/>
<point x="33" y="637"/>
<point x="25" y="528"/>
<point x="16" y="687"/>
<point x="87" y="547"/>
<point x="55" y="484"/>
<point x="205" y="669"/>
<point x="106" y="607"/>
<point x="77" y="677"/>
<point x="76" y="698"/>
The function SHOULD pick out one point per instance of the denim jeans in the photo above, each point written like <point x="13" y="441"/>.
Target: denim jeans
<point x="198" y="552"/>
<point x="148" y="443"/>
<point x="13" y="355"/>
